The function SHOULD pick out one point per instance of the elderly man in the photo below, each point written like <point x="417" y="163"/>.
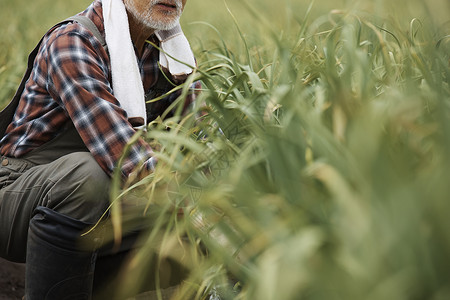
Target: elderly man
<point x="80" y="103"/>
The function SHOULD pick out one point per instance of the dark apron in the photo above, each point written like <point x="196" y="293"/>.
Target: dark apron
<point x="67" y="142"/>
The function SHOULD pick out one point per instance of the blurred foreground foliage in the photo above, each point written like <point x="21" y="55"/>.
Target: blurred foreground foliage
<point x="321" y="168"/>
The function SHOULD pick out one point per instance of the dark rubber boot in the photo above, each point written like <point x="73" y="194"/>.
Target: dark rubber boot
<point x="56" y="267"/>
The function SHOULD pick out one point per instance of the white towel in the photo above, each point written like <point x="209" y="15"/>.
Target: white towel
<point x="174" y="43"/>
<point x="126" y="78"/>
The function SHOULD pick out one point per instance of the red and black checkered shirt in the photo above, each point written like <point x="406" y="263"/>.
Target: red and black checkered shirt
<point x="71" y="82"/>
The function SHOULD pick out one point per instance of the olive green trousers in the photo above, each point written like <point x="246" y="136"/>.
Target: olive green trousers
<point x="73" y="185"/>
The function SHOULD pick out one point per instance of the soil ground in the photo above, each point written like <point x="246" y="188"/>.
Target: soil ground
<point x="12" y="280"/>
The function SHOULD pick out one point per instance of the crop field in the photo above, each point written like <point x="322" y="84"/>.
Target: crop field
<point x="316" y="161"/>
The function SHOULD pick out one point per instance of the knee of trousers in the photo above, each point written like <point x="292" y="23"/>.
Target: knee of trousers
<point x="79" y="188"/>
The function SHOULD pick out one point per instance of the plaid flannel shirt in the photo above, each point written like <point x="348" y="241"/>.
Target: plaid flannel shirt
<point x="71" y="82"/>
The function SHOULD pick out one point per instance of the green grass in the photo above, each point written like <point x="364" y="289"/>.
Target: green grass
<point x="321" y="168"/>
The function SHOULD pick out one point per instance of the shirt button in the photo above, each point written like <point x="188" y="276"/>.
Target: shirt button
<point x="5" y="162"/>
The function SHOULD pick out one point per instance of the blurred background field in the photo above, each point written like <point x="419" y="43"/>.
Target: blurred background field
<point x="23" y="22"/>
<point x="322" y="168"/>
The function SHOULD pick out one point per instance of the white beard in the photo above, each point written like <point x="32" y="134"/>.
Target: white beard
<point x="163" y="23"/>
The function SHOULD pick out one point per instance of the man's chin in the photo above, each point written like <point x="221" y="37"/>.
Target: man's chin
<point x="163" y="24"/>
